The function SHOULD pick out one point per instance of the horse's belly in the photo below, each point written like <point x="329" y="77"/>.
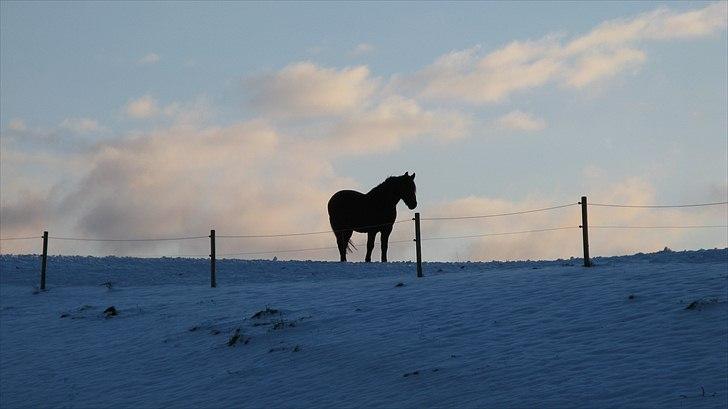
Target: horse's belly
<point x="349" y="209"/>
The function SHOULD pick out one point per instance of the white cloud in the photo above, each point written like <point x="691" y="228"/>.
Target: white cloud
<point x="268" y="175"/>
<point x="661" y="24"/>
<point x="17" y="125"/>
<point x="361" y="49"/>
<point x="520" y="121"/>
<point x="149" y="59"/>
<point x="564" y="243"/>
<point x="305" y="90"/>
<point x="81" y="125"/>
<point x="602" y="65"/>
<point x="187" y="178"/>
<point x="392" y="122"/>
<point x="142" y="107"/>
<point x="181" y="179"/>
<point x="607" y="50"/>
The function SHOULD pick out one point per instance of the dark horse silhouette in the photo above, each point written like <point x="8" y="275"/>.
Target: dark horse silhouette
<point x="371" y="213"/>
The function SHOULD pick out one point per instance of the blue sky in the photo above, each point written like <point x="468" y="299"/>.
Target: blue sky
<point x="494" y="105"/>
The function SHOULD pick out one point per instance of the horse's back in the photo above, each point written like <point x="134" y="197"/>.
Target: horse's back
<point x="343" y="200"/>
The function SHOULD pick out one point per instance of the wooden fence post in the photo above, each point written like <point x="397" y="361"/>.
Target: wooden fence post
<point x="585" y="232"/>
<point x="43" y="261"/>
<point x="213" y="282"/>
<point x="418" y="245"/>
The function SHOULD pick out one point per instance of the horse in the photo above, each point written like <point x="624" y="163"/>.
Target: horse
<point x="370" y="213"/>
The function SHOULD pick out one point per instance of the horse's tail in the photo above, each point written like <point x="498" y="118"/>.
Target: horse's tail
<point x="349" y="246"/>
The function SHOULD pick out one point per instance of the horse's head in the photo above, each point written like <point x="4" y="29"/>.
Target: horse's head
<point x="408" y="190"/>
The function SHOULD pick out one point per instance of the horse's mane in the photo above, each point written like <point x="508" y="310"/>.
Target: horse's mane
<point x="384" y="186"/>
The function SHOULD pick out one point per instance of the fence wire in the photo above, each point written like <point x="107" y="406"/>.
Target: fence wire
<point x="259" y="236"/>
<point x="659" y="227"/>
<point x="657" y="206"/>
<point x="296" y="234"/>
<point x="248" y="253"/>
<point x="500" y="234"/>
<point x="128" y="240"/>
<point x="499" y="214"/>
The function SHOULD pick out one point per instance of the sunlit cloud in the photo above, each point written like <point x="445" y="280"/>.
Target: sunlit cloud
<point x="609" y="49"/>
<point x="566" y="243"/>
<point x="307" y="90"/>
<point x="393" y="122"/>
<point x="17" y="125"/>
<point x="81" y="125"/>
<point x="149" y="59"/>
<point x="362" y="49"/>
<point x="142" y="107"/>
<point x="275" y="172"/>
<point x="520" y="121"/>
<point x="181" y="179"/>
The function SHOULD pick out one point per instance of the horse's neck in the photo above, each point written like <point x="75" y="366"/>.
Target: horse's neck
<point x="385" y="195"/>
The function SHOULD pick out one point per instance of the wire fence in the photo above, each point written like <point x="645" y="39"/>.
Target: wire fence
<point x="584" y="227"/>
<point x="436" y="218"/>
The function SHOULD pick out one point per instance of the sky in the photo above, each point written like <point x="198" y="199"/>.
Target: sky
<point x="137" y="120"/>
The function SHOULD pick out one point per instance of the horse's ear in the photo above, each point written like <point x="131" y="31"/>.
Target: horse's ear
<point x="413" y="176"/>
<point x="406" y="173"/>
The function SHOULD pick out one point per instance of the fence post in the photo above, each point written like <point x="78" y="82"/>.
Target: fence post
<point x="43" y="261"/>
<point x="213" y="282"/>
<point x="418" y="245"/>
<point x="585" y="232"/>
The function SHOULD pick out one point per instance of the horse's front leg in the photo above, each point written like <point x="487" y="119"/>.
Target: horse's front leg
<point x="385" y="241"/>
<point x="371" y="236"/>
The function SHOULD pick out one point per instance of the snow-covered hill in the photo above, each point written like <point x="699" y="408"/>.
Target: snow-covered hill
<point x="649" y="330"/>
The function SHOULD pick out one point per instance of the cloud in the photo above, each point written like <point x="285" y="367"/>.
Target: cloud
<point x="249" y="178"/>
<point x="394" y="121"/>
<point x="307" y="90"/>
<point x="142" y="107"/>
<point x="606" y="51"/>
<point x="361" y="49"/>
<point x="463" y="75"/>
<point x="520" y="121"/>
<point x="660" y="24"/>
<point x="17" y="125"/>
<point x="567" y="242"/>
<point x="274" y="174"/>
<point x="597" y="66"/>
<point x="186" y="178"/>
<point x="81" y="125"/>
<point x="71" y="135"/>
<point x="149" y="59"/>
<point x="178" y="180"/>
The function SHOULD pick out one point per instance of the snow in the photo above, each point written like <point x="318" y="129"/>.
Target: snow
<point x="548" y="334"/>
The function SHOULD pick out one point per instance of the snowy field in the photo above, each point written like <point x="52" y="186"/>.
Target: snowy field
<point x="642" y="331"/>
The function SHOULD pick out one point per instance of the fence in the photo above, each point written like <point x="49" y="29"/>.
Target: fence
<point x="418" y="239"/>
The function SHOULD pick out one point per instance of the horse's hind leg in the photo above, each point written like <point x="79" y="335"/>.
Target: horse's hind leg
<point x="342" y="242"/>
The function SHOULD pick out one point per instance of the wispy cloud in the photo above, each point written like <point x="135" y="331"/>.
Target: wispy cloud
<point x="520" y="121"/>
<point x="17" y="124"/>
<point x="274" y="173"/>
<point x="81" y="125"/>
<point x="607" y="50"/>
<point x="142" y="107"/>
<point x="563" y="243"/>
<point x="391" y="123"/>
<point x="362" y="49"/>
<point x="305" y="89"/>
<point x="149" y="59"/>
